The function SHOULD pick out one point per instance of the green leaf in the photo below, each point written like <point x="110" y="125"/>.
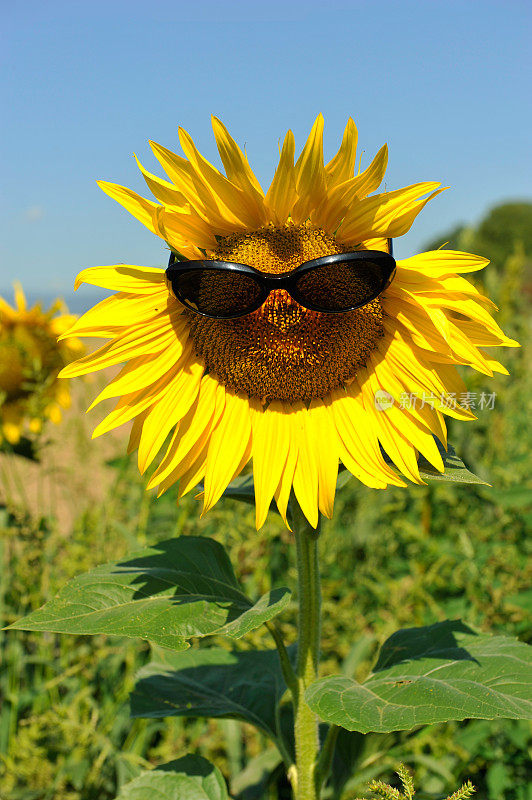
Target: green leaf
<point x="211" y="682"/>
<point x="188" y="778"/>
<point x="173" y="591"/>
<point x="432" y="674"/>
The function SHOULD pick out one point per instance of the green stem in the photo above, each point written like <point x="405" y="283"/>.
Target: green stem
<point x="309" y="624"/>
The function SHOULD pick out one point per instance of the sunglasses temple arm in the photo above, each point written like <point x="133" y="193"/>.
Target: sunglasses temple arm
<point x="390" y="246"/>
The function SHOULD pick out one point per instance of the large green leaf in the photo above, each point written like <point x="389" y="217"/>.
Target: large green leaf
<point x="432" y="674"/>
<point x="188" y="778"/>
<point x="211" y="682"/>
<point x="171" y="592"/>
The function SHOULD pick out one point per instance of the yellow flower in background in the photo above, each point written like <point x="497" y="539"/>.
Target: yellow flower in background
<point x="30" y="360"/>
<point x="295" y="390"/>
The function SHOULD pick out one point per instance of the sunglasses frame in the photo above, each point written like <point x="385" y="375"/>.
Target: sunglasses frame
<point x="286" y="280"/>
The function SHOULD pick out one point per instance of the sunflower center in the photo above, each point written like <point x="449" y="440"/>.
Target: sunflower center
<point x="283" y="351"/>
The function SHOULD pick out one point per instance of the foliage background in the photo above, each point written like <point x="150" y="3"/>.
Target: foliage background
<point x="392" y="559"/>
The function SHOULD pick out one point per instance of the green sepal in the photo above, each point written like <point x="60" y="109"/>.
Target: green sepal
<point x="431" y="674"/>
<point x="455" y="469"/>
<point x="176" y="590"/>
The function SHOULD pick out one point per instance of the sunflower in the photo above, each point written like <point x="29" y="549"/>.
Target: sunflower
<point x="30" y="361"/>
<point x="293" y="390"/>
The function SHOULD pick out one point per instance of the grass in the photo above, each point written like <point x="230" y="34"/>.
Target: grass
<point x="392" y="559"/>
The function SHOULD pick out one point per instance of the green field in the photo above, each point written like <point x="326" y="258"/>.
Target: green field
<point x="391" y="559"/>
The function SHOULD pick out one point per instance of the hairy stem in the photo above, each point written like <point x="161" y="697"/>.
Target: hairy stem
<point x="309" y="624"/>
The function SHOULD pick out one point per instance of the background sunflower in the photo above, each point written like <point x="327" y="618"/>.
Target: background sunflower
<point x="30" y="361"/>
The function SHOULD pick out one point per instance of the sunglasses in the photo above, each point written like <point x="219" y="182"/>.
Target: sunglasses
<point x="331" y="284"/>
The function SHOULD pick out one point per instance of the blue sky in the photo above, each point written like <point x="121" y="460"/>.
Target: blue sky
<point x="446" y="84"/>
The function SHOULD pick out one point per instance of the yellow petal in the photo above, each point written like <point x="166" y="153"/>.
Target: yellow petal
<point x="236" y="164"/>
<point x="342" y="166"/>
<point x="436" y="315"/>
<point x="123" y="278"/>
<point x="396" y="383"/>
<point x="180" y="173"/>
<point x="130" y="405"/>
<point x="141" y="209"/>
<point x="6" y="310"/>
<point x="122" y="310"/>
<point x="466" y="306"/>
<point x="149" y="339"/>
<point x="436" y="263"/>
<point x="193" y="431"/>
<point x="271" y="442"/>
<point x="194" y="473"/>
<point x="377" y="243"/>
<point x="306" y="472"/>
<point x="233" y="204"/>
<point x="406" y="360"/>
<point x="406" y="421"/>
<point x="181" y="228"/>
<point x="465" y="350"/>
<point x="493" y="365"/>
<point x="20" y="298"/>
<point x="390" y="214"/>
<point x="284" y="487"/>
<point x="398" y="448"/>
<point x="359" y="446"/>
<point x="282" y="192"/>
<point x="416" y="321"/>
<point x="136" y="432"/>
<point x="334" y="207"/>
<point x="310" y="174"/>
<point x="228" y="443"/>
<point x="164" y="191"/>
<point x="144" y="371"/>
<point x="244" y="459"/>
<point x="324" y="434"/>
<point x="168" y="411"/>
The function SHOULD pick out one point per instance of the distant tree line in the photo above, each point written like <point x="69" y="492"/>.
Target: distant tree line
<point x="505" y="231"/>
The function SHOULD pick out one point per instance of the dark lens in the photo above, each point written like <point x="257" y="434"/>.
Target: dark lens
<point x="344" y="285"/>
<point x="216" y="292"/>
